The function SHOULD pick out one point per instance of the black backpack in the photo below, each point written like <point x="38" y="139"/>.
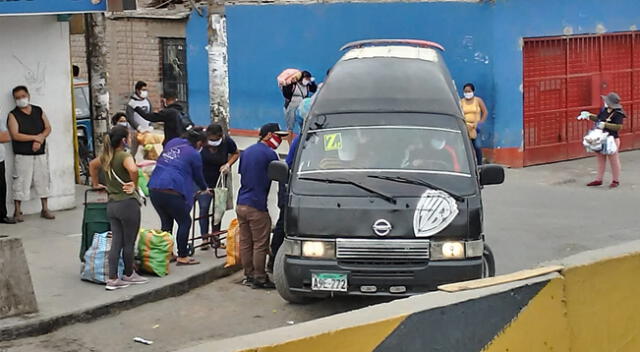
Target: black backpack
<point x="184" y="123"/>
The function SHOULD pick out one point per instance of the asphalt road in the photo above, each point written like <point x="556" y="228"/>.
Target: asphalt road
<point x="539" y="214"/>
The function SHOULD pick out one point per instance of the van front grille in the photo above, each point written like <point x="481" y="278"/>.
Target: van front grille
<point x="385" y="249"/>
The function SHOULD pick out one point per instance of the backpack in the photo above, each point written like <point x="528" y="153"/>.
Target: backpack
<point x="184" y="123"/>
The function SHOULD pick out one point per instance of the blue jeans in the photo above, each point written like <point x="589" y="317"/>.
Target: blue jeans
<point x="204" y="202"/>
<point x="172" y="207"/>
<point x="478" y="150"/>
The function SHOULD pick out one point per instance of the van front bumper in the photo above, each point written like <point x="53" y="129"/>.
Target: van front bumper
<point x="378" y="277"/>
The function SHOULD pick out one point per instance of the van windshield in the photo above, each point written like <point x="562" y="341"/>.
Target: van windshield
<point x="384" y="148"/>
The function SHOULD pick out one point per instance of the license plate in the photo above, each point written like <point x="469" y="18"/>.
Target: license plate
<point x="329" y="282"/>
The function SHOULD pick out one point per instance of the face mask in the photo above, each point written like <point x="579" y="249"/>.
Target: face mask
<point x="437" y="143"/>
<point x="144" y="94"/>
<point x="274" y="141"/>
<point x="22" y="103"/>
<point x="215" y="143"/>
<point x="123" y="124"/>
<point x="305" y="82"/>
<point x="468" y="95"/>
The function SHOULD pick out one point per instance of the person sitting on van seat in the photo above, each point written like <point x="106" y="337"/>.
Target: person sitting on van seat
<point x="169" y="115"/>
<point x="253" y="216"/>
<point x="437" y="156"/>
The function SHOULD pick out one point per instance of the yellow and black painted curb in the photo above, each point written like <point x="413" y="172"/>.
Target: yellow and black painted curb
<point x="589" y="305"/>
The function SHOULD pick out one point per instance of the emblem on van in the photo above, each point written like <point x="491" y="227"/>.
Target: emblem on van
<point x="382" y="227"/>
<point x="435" y="211"/>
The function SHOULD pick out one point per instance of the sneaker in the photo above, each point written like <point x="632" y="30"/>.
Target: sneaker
<point x="135" y="279"/>
<point x="116" y="284"/>
<point x="247" y="281"/>
<point x="614" y="184"/>
<point x="264" y="285"/>
<point x="594" y="183"/>
<point x="8" y="221"/>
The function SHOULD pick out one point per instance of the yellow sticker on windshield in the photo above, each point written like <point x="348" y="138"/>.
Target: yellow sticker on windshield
<point x="332" y="142"/>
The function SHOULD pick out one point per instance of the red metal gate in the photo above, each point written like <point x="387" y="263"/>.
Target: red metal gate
<point x="565" y="75"/>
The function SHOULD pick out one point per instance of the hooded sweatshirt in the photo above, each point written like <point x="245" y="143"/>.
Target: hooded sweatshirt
<point x="134" y="119"/>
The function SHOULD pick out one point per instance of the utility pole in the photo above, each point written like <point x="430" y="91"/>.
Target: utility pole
<point x="97" y="67"/>
<point x="218" y="67"/>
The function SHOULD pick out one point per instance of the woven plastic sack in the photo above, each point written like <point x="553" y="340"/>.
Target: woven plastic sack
<point x="288" y="76"/>
<point x="95" y="267"/>
<point x="233" y="244"/>
<point x="154" y="250"/>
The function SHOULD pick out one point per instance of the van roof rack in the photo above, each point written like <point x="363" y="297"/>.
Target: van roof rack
<point x="379" y="42"/>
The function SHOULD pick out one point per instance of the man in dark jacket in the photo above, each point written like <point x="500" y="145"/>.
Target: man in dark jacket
<point x="170" y="116"/>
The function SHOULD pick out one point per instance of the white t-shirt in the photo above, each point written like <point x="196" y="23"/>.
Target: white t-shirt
<point x="144" y="105"/>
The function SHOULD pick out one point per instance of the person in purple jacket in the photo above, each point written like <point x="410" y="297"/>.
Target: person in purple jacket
<point x="172" y="186"/>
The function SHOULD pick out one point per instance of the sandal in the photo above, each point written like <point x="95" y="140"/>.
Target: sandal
<point x="190" y="261"/>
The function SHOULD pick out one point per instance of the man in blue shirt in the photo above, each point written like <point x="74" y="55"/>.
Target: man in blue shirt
<point x="278" y="230"/>
<point x="253" y="217"/>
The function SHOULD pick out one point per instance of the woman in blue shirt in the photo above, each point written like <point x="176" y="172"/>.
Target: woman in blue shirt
<point x="172" y="188"/>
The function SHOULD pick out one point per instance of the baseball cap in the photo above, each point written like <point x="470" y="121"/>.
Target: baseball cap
<point x="272" y="128"/>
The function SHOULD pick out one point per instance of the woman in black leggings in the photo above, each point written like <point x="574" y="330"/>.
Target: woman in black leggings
<point x="121" y="176"/>
<point x="172" y="186"/>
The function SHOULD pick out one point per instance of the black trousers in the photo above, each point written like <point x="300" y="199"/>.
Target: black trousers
<point x="3" y="192"/>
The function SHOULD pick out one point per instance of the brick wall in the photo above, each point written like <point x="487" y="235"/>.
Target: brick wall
<point x="134" y="54"/>
<point x="79" y="54"/>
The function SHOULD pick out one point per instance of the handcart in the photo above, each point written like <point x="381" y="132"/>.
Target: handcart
<point x="214" y="239"/>
<point x="94" y="219"/>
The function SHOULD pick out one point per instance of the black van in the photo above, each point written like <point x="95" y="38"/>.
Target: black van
<point x="384" y="195"/>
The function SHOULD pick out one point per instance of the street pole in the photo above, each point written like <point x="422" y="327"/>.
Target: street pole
<point x="218" y="67"/>
<point x="97" y="67"/>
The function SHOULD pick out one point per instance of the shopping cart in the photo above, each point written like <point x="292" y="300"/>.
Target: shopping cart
<point x="215" y="239"/>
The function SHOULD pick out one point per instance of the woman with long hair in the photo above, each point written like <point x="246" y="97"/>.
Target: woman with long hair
<point x="172" y="186"/>
<point x="120" y="175"/>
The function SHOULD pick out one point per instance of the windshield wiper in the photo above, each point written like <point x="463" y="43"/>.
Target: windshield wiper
<point x="411" y="181"/>
<point x="386" y="197"/>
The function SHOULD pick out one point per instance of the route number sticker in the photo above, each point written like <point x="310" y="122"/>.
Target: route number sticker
<point x="332" y="142"/>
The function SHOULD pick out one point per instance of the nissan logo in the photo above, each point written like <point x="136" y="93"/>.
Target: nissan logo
<point x="382" y="227"/>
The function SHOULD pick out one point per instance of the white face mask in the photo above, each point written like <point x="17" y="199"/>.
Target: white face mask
<point x="215" y="143"/>
<point x="123" y="124"/>
<point x="22" y="103"/>
<point x="305" y="82"/>
<point x="468" y="95"/>
<point x="605" y="105"/>
<point x="437" y="143"/>
<point x="144" y="94"/>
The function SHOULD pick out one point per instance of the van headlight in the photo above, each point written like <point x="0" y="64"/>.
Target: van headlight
<point x="319" y="249"/>
<point x="452" y="250"/>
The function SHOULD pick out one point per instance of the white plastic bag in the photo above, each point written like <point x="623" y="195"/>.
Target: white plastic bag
<point x="609" y="146"/>
<point x="594" y="139"/>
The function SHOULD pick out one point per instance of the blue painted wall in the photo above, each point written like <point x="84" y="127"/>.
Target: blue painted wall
<point x="264" y="40"/>
<point x="198" y="68"/>
<point x="517" y="19"/>
<point x="9" y="7"/>
<point x="483" y="42"/>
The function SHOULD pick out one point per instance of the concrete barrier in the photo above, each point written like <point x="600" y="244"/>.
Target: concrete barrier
<point x="16" y="290"/>
<point x="590" y="304"/>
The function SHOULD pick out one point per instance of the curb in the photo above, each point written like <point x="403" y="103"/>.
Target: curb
<point x="47" y="325"/>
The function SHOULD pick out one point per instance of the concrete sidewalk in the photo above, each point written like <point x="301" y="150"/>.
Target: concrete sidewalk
<point x="52" y="251"/>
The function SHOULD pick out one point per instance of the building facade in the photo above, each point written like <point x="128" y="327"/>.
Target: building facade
<point x="537" y="64"/>
<point x="36" y="47"/>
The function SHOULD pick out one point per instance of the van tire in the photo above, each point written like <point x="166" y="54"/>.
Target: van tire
<point x="488" y="262"/>
<point x="280" y="279"/>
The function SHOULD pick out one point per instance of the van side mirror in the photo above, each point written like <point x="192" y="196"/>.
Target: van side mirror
<point x="491" y="174"/>
<point x="279" y="171"/>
